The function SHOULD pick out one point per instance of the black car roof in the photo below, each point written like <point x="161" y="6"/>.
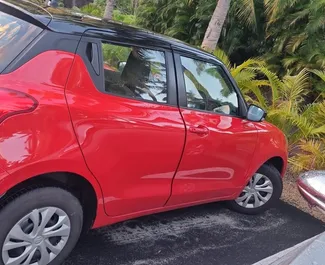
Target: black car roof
<point x="66" y="21"/>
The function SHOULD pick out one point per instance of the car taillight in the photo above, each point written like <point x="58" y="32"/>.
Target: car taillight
<point x="14" y="102"/>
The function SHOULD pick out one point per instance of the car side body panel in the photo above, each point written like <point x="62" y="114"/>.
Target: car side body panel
<point x="133" y="147"/>
<point x="108" y="220"/>
<point x="215" y="164"/>
<point x="42" y="141"/>
<point x="271" y="143"/>
<point x="272" y="147"/>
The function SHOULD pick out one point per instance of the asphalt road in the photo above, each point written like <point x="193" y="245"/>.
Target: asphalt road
<point x="207" y="235"/>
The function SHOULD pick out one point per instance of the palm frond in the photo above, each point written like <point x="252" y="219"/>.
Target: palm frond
<point x="250" y="63"/>
<point x="320" y="74"/>
<point x="295" y="87"/>
<point x="247" y="13"/>
<point x="311" y="155"/>
<point x="275" y="83"/>
<point x="298" y="16"/>
<point x="295" y="42"/>
<point x="223" y="57"/>
<point x="275" y="7"/>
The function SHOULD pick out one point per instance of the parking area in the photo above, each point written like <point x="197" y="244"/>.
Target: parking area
<point x="208" y="234"/>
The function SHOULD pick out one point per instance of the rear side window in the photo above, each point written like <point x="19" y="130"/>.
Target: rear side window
<point x="15" y="35"/>
<point x="135" y="72"/>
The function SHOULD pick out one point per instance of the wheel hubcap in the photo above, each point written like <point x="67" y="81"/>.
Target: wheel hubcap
<point x="37" y="238"/>
<point x="258" y="191"/>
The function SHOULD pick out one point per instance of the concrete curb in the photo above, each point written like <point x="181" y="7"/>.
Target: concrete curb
<point x="306" y="251"/>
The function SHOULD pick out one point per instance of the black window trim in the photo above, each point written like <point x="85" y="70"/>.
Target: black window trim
<point x="99" y="80"/>
<point x="182" y="98"/>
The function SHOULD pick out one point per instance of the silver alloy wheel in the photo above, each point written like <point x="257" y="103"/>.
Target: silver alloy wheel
<point x="37" y="238"/>
<point x="258" y="191"/>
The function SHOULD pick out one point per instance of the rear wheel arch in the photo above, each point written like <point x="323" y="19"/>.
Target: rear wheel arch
<point x="76" y="184"/>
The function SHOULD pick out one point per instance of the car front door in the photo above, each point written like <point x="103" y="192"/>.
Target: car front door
<point x="219" y="142"/>
<point x="122" y="100"/>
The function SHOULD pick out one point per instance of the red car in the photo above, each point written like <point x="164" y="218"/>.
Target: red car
<point x="102" y="122"/>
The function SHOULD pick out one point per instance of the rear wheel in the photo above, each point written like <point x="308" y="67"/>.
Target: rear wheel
<point x="40" y="227"/>
<point x="261" y="192"/>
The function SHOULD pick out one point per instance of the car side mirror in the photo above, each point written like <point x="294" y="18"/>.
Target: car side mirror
<point x="311" y="185"/>
<point x="255" y="113"/>
<point x="120" y="66"/>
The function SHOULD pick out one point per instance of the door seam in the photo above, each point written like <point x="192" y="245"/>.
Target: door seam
<point x="185" y="130"/>
<point x="74" y="131"/>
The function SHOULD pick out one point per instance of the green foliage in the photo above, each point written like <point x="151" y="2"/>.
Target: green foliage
<point x="97" y="9"/>
<point x="310" y="157"/>
<point x="113" y="54"/>
<point x="186" y="20"/>
<point x="289" y="34"/>
<point x="301" y="44"/>
<point x="124" y="18"/>
<point x="284" y="100"/>
<point x="93" y="10"/>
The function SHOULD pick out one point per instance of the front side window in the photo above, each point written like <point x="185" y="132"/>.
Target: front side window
<point x="135" y="72"/>
<point x="208" y="88"/>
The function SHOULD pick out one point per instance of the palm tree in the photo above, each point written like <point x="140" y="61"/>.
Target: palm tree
<point x="213" y="31"/>
<point x="135" y="4"/>
<point x="108" y="14"/>
<point x="302" y="44"/>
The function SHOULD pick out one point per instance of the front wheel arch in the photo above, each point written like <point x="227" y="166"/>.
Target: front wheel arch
<point x="278" y="163"/>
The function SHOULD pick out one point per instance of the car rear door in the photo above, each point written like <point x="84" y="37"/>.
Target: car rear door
<point x="122" y="100"/>
<point x="219" y="142"/>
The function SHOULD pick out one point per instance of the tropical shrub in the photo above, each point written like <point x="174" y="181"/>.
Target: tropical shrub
<point x="283" y="99"/>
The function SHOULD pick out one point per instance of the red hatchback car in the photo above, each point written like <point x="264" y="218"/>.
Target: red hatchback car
<point x="101" y="122"/>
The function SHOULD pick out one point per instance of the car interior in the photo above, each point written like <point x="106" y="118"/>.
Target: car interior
<point x="133" y="79"/>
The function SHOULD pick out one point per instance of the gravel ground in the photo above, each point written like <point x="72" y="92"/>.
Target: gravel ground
<point x="292" y="196"/>
<point x="208" y="234"/>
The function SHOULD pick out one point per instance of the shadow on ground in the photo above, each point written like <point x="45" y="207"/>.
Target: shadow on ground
<point x="207" y="234"/>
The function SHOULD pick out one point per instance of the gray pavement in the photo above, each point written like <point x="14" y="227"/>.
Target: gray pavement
<point x="208" y="234"/>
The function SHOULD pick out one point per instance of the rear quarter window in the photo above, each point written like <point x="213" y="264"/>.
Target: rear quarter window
<point x="15" y="35"/>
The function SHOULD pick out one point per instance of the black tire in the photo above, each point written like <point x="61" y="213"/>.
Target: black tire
<point x="40" y="198"/>
<point x="275" y="177"/>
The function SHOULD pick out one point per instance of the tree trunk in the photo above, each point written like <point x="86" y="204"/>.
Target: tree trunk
<point x="135" y="5"/>
<point x="109" y="9"/>
<point x="213" y="32"/>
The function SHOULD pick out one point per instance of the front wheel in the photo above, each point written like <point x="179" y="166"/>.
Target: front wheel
<point x="40" y="227"/>
<point x="261" y="192"/>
